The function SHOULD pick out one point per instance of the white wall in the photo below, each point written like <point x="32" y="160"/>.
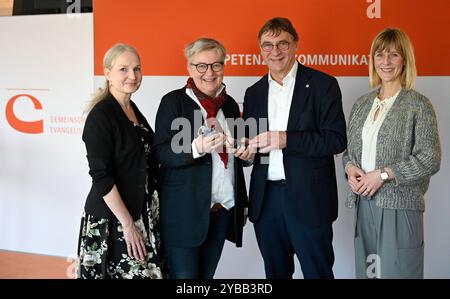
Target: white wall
<point x="43" y="177"/>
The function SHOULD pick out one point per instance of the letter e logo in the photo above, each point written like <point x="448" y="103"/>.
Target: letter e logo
<point x="30" y="127"/>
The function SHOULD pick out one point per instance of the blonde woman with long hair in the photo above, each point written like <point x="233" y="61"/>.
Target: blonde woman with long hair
<point x="119" y="234"/>
<point x="393" y="150"/>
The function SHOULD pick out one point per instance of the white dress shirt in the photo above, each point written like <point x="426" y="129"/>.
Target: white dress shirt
<point x="370" y="131"/>
<point x="279" y="105"/>
<point x="222" y="189"/>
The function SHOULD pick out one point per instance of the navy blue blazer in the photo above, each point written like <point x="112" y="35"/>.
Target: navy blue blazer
<point x="185" y="190"/>
<point x="315" y="132"/>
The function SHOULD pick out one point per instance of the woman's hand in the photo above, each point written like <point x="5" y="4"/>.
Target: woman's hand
<point x="135" y="241"/>
<point x="370" y="183"/>
<point x="353" y="174"/>
<point x="131" y="233"/>
<point x="210" y="143"/>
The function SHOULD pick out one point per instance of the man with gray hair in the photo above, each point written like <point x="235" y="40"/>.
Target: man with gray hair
<point x="293" y="193"/>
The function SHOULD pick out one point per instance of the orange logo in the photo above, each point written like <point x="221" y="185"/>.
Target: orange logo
<point x="30" y="127"/>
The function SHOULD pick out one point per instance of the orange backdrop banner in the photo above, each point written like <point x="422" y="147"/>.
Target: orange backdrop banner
<point x="335" y="36"/>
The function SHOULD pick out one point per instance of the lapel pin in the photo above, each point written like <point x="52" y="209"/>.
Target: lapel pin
<point x="307" y="85"/>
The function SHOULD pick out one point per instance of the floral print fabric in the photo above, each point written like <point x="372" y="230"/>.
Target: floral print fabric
<point x="102" y="250"/>
<point x="103" y="253"/>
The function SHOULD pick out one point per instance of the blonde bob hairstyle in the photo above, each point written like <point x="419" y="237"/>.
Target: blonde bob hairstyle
<point x="108" y="62"/>
<point x="402" y="44"/>
<point x="204" y="44"/>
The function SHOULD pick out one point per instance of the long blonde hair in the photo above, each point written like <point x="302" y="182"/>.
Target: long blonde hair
<point x="397" y="38"/>
<point x="108" y="62"/>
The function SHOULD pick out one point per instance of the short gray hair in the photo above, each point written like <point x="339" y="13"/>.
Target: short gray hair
<point x="204" y="44"/>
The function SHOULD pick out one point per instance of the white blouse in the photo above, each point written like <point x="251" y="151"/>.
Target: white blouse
<point x="222" y="188"/>
<point x="370" y="131"/>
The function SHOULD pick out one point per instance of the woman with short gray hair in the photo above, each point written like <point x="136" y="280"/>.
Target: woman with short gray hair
<point x="202" y="185"/>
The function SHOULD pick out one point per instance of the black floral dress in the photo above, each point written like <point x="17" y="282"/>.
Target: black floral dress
<point x="102" y="251"/>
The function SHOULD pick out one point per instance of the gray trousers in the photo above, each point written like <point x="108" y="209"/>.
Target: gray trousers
<point x="388" y="242"/>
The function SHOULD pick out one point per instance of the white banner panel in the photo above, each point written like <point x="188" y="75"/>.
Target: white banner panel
<point x="45" y="80"/>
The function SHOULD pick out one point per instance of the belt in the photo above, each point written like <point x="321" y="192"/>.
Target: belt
<point x="279" y="182"/>
<point x="216" y="207"/>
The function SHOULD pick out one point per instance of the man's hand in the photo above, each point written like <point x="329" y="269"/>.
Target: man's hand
<point x="245" y="152"/>
<point x="269" y="141"/>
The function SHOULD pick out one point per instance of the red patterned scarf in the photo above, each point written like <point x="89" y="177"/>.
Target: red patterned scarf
<point x="212" y="106"/>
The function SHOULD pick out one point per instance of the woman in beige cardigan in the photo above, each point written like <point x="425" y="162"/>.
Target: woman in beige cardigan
<point x="393" y="150"/>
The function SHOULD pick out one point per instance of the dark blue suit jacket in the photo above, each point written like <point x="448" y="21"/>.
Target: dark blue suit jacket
<point x="185" y="191"/>
<point x="315" y="132"/>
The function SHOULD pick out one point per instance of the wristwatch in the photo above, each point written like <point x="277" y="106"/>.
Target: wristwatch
<point x="384" y="176"/>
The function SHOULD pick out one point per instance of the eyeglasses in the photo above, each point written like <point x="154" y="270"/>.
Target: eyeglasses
<point x="203" y="67"/>
<point x="282" y="46"/>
